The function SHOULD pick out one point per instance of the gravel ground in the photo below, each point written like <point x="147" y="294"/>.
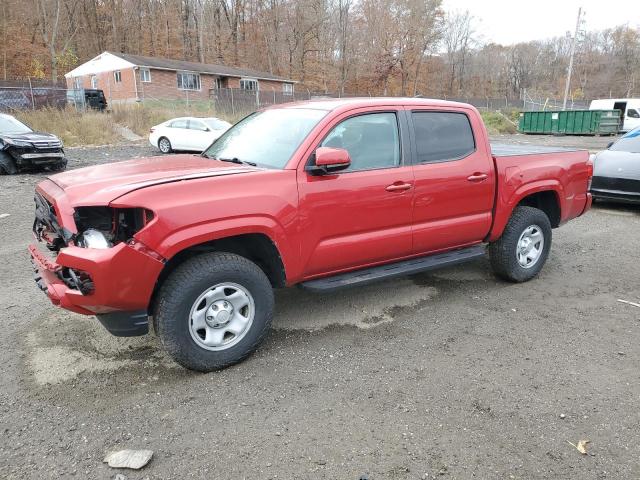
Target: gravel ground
<point x="452" y="374"/>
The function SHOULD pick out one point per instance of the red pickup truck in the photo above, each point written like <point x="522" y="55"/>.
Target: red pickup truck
<point x="320" y="194"/>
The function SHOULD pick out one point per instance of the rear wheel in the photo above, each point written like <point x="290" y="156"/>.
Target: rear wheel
<point x="520" y="253"/>
<point x="213" y="311"/>
<point x="7" y="165"/>
<point x="164" y="145"/>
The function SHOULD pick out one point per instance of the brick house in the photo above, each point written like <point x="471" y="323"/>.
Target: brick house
<point x="130" y="78"/>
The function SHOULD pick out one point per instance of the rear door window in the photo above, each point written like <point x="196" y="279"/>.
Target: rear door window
<point x="442" y="136"/>
<point x="197" y="125"/>
<point x="180" y="123"/>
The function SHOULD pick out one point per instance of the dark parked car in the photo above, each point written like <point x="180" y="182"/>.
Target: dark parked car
<point x="87" y="98"/>
<point x="616" y="174"/>
<point x="23" y="149"/>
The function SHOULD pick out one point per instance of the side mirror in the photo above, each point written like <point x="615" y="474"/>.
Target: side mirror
<point x="609" y="145"/>
<point x="329" y="160"/>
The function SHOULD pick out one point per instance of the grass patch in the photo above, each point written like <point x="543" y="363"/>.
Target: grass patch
<point x="498" y="123"/>
<point x="95" y="128"/>
<point x="73" y="127"/>
<point x="141" y="117"/>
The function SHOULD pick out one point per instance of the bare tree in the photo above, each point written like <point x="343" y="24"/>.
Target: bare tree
<point x="458" y="40"/>
<point x="49" y="12"/>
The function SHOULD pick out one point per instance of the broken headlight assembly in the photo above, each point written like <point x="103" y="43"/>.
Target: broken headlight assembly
<point x="104" y="227"/>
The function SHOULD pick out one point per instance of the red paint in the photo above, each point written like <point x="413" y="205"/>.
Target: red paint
<point x="331" y="156"/>
<point x="320" y="225"/>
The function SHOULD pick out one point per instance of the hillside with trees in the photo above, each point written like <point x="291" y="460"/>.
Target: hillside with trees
<point x="394" y="47"/>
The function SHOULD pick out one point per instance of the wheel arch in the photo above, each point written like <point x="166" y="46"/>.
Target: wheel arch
<point x="256" y="247"/>
<point x="547" y="201"/>
<point x="544" y="196"/>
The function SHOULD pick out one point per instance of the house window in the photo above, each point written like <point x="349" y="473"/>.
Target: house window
<point x="94" y="82"/>
<point x="217" y="83"/>
<point x="188" y="81"/>
<point x="77" y="83"/>
<point x="117" y="75"/>
<point x="145" y="75"/>
<point x="250" y="84"/>
<point x="287" y="88"/>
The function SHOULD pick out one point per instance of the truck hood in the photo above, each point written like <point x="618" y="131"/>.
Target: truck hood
<point x="102" y="184"/>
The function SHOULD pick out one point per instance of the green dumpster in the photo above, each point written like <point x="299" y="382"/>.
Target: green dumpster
<point x="571" y="122"/>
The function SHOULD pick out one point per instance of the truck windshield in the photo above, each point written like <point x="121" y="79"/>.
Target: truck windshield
<point x="267" y="138"/>
<point x="11" y="125"/>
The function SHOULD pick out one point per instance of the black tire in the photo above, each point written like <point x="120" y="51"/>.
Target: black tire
<point x="7" y="165"/>
<point x="162" y="141"/>
<point x="503" y="252"/>
<point x="181" y="291"/>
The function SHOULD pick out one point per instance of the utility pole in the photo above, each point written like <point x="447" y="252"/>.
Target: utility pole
<point x="573" y="52"/>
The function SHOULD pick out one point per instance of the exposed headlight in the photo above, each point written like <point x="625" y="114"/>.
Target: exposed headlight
<point x="92" y="238"/>
<point x="17" y="143"/>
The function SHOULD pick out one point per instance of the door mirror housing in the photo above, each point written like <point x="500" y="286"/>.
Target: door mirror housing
<point x="329" y="160"/>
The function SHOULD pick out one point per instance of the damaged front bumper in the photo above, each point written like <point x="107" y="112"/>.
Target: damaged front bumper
<point x="115" y="284"/>
<point x="29" y="157"/>
<point x="120" y="290"/>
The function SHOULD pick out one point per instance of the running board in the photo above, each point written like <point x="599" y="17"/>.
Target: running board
<point x="392" y="270"/>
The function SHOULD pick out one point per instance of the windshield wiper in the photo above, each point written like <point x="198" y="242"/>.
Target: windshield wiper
<point x="237" y="160"/>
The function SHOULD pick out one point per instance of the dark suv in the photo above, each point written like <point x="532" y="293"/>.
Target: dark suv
<point x="87" y="98"/>
<point x="23" y="149"/>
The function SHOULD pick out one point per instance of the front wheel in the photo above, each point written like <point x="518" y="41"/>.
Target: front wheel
<point x="213" y="311"/>
<point x="520" y="253"/>
<point x="7" y="165"/>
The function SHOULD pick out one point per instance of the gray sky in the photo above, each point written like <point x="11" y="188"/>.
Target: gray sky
<point x="512" y="21"/>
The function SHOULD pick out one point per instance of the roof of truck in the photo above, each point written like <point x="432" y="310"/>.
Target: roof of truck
<point x="356" y="102"/>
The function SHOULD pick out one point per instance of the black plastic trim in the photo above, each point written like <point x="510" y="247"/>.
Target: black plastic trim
<point x="125" y="324"/>
<point x="397" y="269"/>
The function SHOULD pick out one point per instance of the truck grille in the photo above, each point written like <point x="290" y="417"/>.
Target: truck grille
<point x="47" y="144"/>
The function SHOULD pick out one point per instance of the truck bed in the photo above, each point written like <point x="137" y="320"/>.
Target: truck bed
<point x="510" y="150"/>
<point x="525" y="170"/>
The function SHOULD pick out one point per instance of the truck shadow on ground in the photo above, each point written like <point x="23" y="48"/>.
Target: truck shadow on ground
<point x="65" y="346"/>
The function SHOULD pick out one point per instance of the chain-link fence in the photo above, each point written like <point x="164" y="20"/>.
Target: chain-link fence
<point x="538" y="102"/>
<point x="234" y="102"/>
<point x="228" y="102"/>
<point x="31" y="98"/>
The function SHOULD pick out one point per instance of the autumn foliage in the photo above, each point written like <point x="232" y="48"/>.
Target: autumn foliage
<point x="366" y="47"/>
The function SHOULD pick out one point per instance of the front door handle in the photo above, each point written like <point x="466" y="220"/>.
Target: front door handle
<point x="477" y="177"/>
<point x="398" y="187"/>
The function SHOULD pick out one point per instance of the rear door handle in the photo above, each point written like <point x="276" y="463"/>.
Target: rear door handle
<point x="477" y="177"/>
<point x="398" y="187"/>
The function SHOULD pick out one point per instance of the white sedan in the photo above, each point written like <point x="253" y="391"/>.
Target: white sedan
<point x="187" y="133"/>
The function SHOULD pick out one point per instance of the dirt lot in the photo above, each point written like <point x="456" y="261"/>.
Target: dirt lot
<point x="452" y="374"/>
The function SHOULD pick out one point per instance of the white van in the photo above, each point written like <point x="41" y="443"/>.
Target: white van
<point x="629" y="110"/>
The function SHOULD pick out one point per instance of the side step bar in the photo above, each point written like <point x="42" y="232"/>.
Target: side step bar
<point x="392" y="270"/>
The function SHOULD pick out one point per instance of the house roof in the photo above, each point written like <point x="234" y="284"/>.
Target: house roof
<point x="182" y="65"/>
